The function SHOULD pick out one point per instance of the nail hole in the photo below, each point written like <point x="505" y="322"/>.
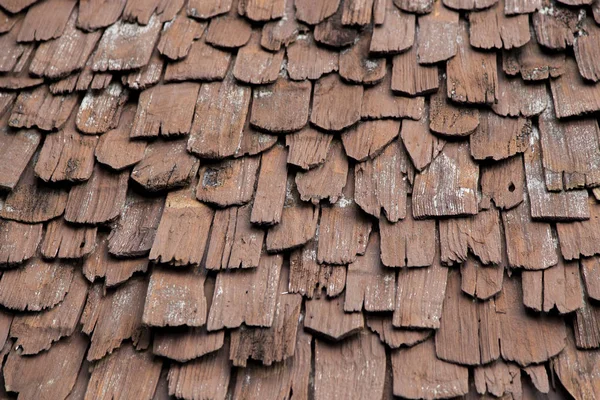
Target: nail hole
<point x="511" y="187"/>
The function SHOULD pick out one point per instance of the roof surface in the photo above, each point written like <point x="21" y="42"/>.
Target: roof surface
<point x="306" y="199"/>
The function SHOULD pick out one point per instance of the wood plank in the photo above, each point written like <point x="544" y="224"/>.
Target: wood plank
<point x="469" y="4"/>
<point x="203" y="62"/>
<point x="215" y="133"/>
<point x="99" y="112"/>
<point x="183" y="231"/>
<point x="140" y="11"/>
<point x="175" y="298"/>
<point x="228" y="182"/>
<point x="63" y="240"/>
<point x="95" y="14"/>
<point x="556" y="29"/>
<point x="271" y="187"/>
<point x="127" y="373"/>
<point x="327" y="180"/>
<point x="42" y="109"/>
<point x="18" y="242"/>
<point x="205" y="9"/>
<point x="36" y="286"/>
<point x="206" y="377"/>
<point x="411" y="78"/>
<point x="246" y="296"/>
<point x="234" y="242"/>
<point x="502" y="183"/>
<point x="397" y="32"/>
<point x="135" y="231"/>
<point x="492" y="29"/>
<point x="358" y="65"/>
<point x="570" y="152"/>
<point x="421" y="145"/>
<point x="498" y="379"/>
<point x="353" y="368"/>
<point x="112" y="317"/>
<point x="306" y="60"/>
<point x="59" y="57"/>
<point x="587" y="51"/>
<point x="529" y="244"/>
<point x="336" y="105"/>
<point x="281" y="107"/>
<point x="437" y="34"/>
<point x="588" y="272"/>
<point x="38" y="378"/>
<point x="419" y="296"/>
<point x="369" y="285"/>
<point x="546" y="205"/>
<point x="573" y="368"/>
<point x="481" y="281"/>
<point x="450" y="119"/>
<point x="125" y="46"/>
<point x="579" y="239"/>
<point x="166" y="110"/>
<point x="166" y="165"/>
<point x="312" y="12"/>
<point x="395" y="338"/>
<point x="357" y="12"/>
<point x="333" y="33"/>
<point x="15" y="6"/>
<point x="326" y="317"/>
<point x="66" y="156"/>
<point x="380" y="101"/>
<point x="308" y="148"/>
<point x="37" y="332"/>
<point x="254" y="65"/>
<point x="515" y="98"/>
<point x="533" y="63"/>
<point x="382" y="183"/>
<point x="408" y="242"/>
<point x="146" y="76"/>
<point x="419" y="374"/>
<point x="448" y="186"/>
<point x="479" y="234"/>
<point x="16" y="54"/>
<point x="32" y="200"/>
<point x="576" y="97"/>
<point x="101" y="264"/>
<point x="16" y="150"/>
<point x="115" y="148"/>
<point x="229" y="31"/>
<point x="368" y="139"/>
<point x="498" y="138"/>
<point x="415" y="6"/>
<point x="46" y="20"/>
<point x="98" y="200"/>
<point x="512" y="7"/>
<point x="284" y="31"/>
<point x="186" y="344"/>
<point x="254" y="142"/>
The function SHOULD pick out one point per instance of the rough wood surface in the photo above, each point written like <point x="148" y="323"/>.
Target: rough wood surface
<point x="98" y="200"/>
<point x="498" y="138"/>
<point x="450" y="119"/>
<point x="99" y="112"/>
<point x="418" y="373"/>
<point x="396" y="33"/>
<point x="246" y="296"/>
<point x="421" y="145"/>
<point x="16" y="150"/>
<point x="308" y="148"/>
<point x="306" y="60"/>
<point x="37" y="332"/>
<point x="205" y="9"/>
<point x="448" y="186"/>
<point x="498" y="379"/>
<point x="573" y="367"/>
<point x="502" y="183"/>
<point x="66" y="156"/>
<point x="271" y="187"/>
<point x="115" y="148"/>
<point x="165" y="109"/>
<point x="283" y="106"/>
<point x="533" y="63"/>
<point x="529" y="244"/>
<point x="492" y="29"/>
<point x="556" y="26"/>
<point x="63" y="240"/>
<point x="332" y="32"/>
<point x="512" y="7"/>
<point x="186" y="344"/>
<point x="141" y="11"/>
<point x="408" y="242"/>
<point x="112" y="317"/>
<point x="282" y="32"/>
<point x="101" y="264"/>
<point x="589" y="267"/>
<point x="336" y="105"/>
<point x="516" y="98"/>
<point x="125" y="373"/>
<point x="46" y="20"/>
<point x="383" y="183"/>
<point x="369" y="285"/>
<point x="326" y="181"/>
<point x="312" y="12"/>
<point x="380" y="101"/>
<point x="219" y="118"/>
<point x="18" y="242"/>
<point x="136" y="228"/>
<point x="579" y="238"/>
<point x="411" y="78"/>
<point x="585" y="327"/>
<point x="587" y="51"/>
<point x="367" y="139"/>
<point x="254" y="142"/>
<point x="572" y="95"/>
<point x="146" y="76"/>
<point x="229" y="31"/>
<point x="437" y="34"/>
<point x="32" y="200"/>
<point x="361" y="373"/>
<point x="203" y="62"/>
<point x="168" y="291"/>
<point x="357" y="65"/>
<point x="419" y="296"/>
<point x="469" y="4"/>
<point x="183" y="231"/>
<point x="254" y="65"/>
<point x="94" y="14"/>
<point x="395" y="337"/>
<point x="48" y="375"/>
<point x="36" y="286"/>
<point x="125" y="46"/>
<point x="42" y="109"/>
<point x="229" y="182"/>
<point x="16" y="54"/>
<point x="481" y="281"/>
<point x="15" y="6"/>
<point x="326" y="317"/>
